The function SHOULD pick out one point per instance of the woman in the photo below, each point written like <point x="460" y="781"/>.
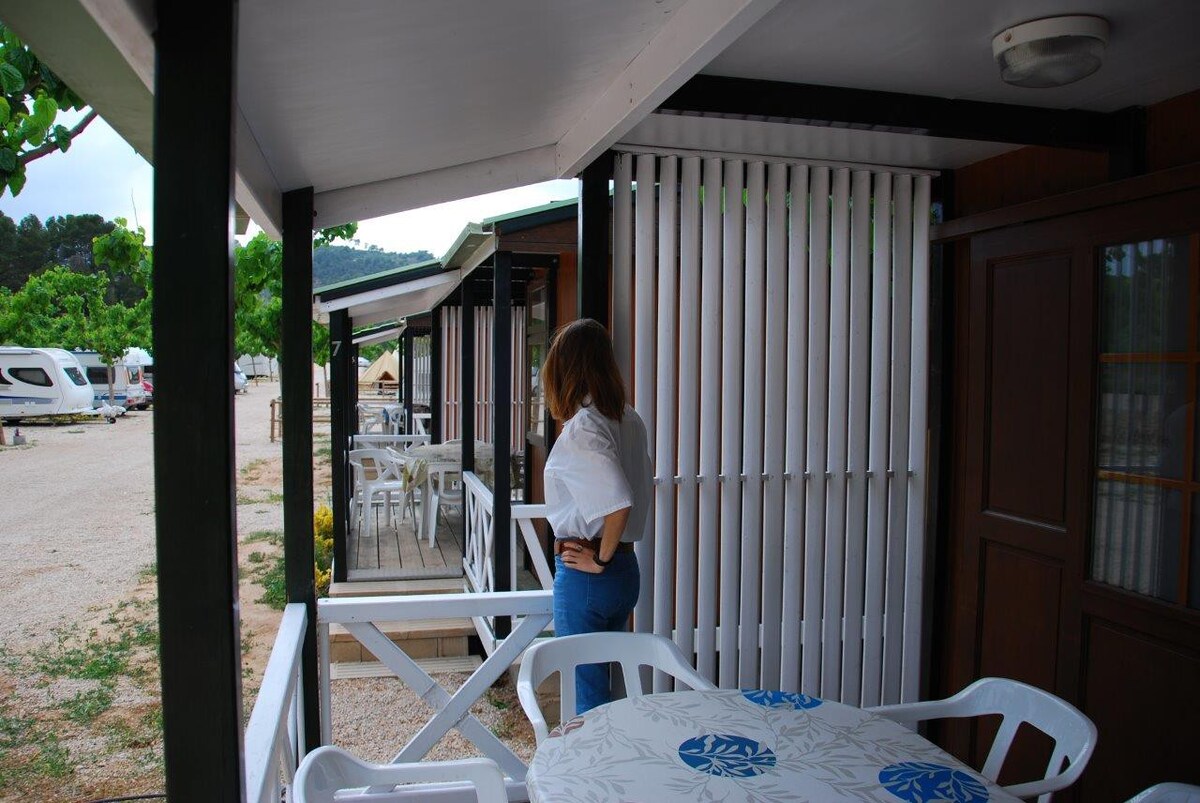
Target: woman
<point x="598" y="482"/>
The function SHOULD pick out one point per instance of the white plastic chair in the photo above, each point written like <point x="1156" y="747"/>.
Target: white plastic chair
<point x="563" y="653"/>
<point x="1073" y="733"/>
<point x="1168" y="793"/>
<point x="328" y="770"/>
<point x="370" y="419"/>
<point x="374" y="474"/>
<point x="402" y="460"/>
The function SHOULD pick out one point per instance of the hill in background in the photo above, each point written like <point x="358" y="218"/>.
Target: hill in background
<point x="339" y="263"/>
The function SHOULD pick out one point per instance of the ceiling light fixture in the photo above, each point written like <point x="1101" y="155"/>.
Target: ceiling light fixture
<point x="1054" y="51"/>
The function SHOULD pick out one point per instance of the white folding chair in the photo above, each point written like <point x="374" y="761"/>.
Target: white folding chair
<point x="1073" y="733"/>
<point x="562" y="654"/>
<point x="1168" y="793"/>
<point x="373" y="474"/>
<point x="329" y="770"/>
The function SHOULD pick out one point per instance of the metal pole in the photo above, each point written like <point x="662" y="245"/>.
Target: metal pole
<point x="435" y="376"/>
<point x="408" y="377"/>
<point x="502" y="348"/>
<point x="466" y="409"/>
<point x="296" y="371"/>
<point x="194" y="481"/>
<point x="341" y="407"/>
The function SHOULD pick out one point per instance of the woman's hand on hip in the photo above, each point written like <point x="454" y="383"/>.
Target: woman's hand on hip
<point x="580" y="557"/>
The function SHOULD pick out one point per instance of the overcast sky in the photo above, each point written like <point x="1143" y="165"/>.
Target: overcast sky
<point x="101" y="174"/>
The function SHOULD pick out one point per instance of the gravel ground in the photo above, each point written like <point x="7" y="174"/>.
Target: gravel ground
<point x="77" y="529"/>
<point x="79" y="513"/>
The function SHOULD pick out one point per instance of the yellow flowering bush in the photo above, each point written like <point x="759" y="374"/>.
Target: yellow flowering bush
<point x="322" y="549"/>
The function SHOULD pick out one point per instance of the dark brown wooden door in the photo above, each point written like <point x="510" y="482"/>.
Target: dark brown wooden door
<point x="1021" y="599"/>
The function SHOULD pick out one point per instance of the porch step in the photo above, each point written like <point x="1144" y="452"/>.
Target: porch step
<point x="420" y="638"/>
<point x="387" y="588"/>
<point x="375" y="669"/>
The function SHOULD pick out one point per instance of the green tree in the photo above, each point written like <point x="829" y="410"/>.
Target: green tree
<point x="258" y="295"/>
<point x="31" y="97"/>
<point x="67" y="309"/>
<point x="69" y="239"/>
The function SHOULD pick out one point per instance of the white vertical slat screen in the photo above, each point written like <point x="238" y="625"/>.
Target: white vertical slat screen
<point x="771" y="317"/>
<point x="667" y="403"/>
<point x="708" y="490"/>
<point x="484" y="385"/>
<point x="688" y="464"/>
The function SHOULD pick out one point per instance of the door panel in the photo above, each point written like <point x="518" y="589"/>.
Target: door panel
<point x="1019" y="548"/>
<point x="1142" y="694"/>
<point x="1027" y="351"/>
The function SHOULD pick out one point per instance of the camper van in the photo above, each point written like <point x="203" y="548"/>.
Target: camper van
<point x="40" y="382"/>
<point x="126" y="381"/>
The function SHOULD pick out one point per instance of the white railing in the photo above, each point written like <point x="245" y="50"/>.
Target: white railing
<point x="522" y="522"/>
<point x="480" y="538"/>
<point x="274" y="739"/>
<point x="480" y="543"/>
<point x="358" y="615"/>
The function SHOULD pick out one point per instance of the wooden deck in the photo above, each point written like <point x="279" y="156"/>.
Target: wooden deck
<point x="393" y="552"/>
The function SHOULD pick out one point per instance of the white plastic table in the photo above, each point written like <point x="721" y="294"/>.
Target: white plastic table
<point x="734" y="745"/>
<point x="431" y="463"/>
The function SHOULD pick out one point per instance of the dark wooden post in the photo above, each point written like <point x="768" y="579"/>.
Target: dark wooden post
<point x="466" y="408"/>
<point x="592" y="259"/>
<point x="297" y="391"/>
<point x="435" y="376"/>
<point x="341" y="410"/>
<point x="194" y="480"/>
<point x="502" y="347"/>
<point x="408" y="376"/>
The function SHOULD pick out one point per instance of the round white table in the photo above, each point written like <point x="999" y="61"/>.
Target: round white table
<point x="428" y="466"/>
<point x="732" y="745"/>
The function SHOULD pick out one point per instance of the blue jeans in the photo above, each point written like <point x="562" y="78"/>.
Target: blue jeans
<point x="591" y="603"/>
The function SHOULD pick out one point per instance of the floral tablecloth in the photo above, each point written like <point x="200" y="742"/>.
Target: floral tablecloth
<point x="447" y="456"/>
<point x="735" y="745"/>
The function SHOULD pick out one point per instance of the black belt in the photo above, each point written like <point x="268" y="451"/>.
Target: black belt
<point x="590" y="543"/>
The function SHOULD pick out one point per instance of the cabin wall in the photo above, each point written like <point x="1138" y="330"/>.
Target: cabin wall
<point x="1030" y="173"/>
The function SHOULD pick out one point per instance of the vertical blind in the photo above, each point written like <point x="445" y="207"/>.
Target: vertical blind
<point x="484" y="389"/>
<point x="771" y="318"/>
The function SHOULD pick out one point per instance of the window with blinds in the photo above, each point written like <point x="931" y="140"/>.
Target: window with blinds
<point x="1146" y="518"/>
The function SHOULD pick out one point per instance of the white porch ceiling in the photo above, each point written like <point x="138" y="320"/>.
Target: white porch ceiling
<point x="383" y="106"/>
<point x="944" y="48"/>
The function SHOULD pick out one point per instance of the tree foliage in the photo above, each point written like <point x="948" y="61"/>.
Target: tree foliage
<point x="31" y="97"/>
<point x="258" y="295"/>
<point x="28" y="247"/>
<point x="63" y="308"/>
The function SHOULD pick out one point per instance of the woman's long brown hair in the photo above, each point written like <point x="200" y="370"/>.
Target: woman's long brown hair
<point x="580" y="363"/>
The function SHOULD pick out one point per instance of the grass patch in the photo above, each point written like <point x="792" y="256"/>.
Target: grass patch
<point x="271" y="578"/>
<point x="85" y="706"/>
<point x="256" y="557"/>
<point x="29" y="753"/>
<point x="148" y="572"/>
<point x="324" y="451"/>
<point x="273" y="497"/>
<point x="272" y="537"/>
<point x="253" y="466"/>
<point x="95" y="659"/>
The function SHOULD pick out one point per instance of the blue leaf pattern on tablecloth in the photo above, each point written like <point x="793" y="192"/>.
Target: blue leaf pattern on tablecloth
<point x="781" y="699"/>
<point x="727" y="756"/>
<point x="921" y="782"/>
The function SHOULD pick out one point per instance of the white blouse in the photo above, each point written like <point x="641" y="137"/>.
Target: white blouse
<point x="599" y="466"/>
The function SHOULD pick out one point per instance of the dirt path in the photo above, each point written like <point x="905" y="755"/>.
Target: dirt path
<point x="79" y="695"/>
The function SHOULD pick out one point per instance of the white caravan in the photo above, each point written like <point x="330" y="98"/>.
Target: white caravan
<point x="42" y="382"/>
<point x="127" y="387"/>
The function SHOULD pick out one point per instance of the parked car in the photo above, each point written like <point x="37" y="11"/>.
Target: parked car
<point x="148" y="386"/>
<point x="239" y="379"/>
